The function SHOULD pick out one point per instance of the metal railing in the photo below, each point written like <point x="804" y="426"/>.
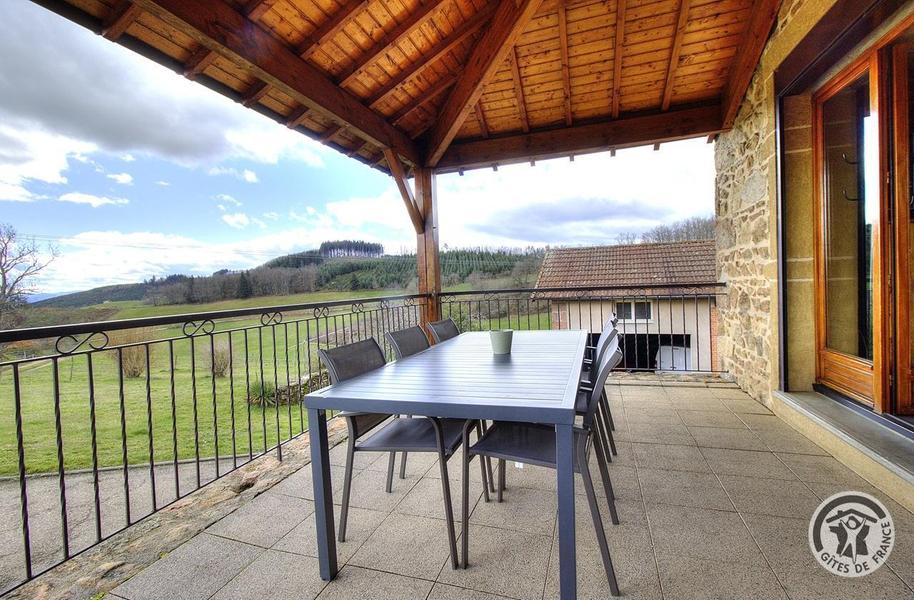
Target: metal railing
<point x="103" y="424"/>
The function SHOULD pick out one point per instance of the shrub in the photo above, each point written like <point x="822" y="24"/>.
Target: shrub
<point x="262" y="393"/>
<point x="133" y="357"/>
<point x="221" y="359"/>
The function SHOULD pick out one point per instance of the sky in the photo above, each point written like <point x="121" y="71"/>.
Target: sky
<point x="131" y="171"/>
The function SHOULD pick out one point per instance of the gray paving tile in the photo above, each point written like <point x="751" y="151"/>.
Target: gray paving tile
<point x="746" y="462"/>
<point x="263" y="520"/>
<point x="779" y="497"/>
<point x="701" y="533"/>
<point x="821" y="469"/>
<point x="696" y="579"/>
<point x="406" y="545"/>
<point x="523" y="509"/>
<point x="684" y="488"/>
<point x="303" y="539"/>
<point x="722" y="437"/>
<point x="361" y="460"/>
<point x="449" y="592"/>
<point x="658" y="433"/>
<point x="624" y="482"/>
<point x="706" y="404"/>
<point x="417" y="463"/>
<point x="368" y="491"/>
<point x="784" y="543"/>
<point x="788" y="441"/>
<point x="355" y="583"/>
<point x="745" y="406"/>
<point x="734" y="393"/>
<point x="509" y="563"/>
<point x="278" y="575"/>
<point x="300" y="483"/>
<point x="669" y="457"/>
<point x="652" y="414"/>
<point x="194" y="570"/>
<point x="426" y="499"/>
<point x="710" y="418"/>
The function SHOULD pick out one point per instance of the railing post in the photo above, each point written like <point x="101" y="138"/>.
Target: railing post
<point x="427" y="256"/>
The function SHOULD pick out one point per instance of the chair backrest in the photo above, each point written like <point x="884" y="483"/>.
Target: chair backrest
<point x="611" y="359"/>
<point x="407" y="342"/>
<point x="605" y="338"/>
<point x="351" y="360"/>
<point x="443" y="330"/>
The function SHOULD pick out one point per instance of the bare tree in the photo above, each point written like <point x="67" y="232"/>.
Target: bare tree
<point x="20" y="262"/>
<point x="627" y="237"/>
<point x="696" y="228"/>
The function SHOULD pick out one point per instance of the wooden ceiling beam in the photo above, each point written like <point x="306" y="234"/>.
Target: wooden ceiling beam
<point x="675" y="54"/>
<point x="481" y="118"/>
<point x="254" y="93"/>
<point x="409" y="200"/>
<point x="486" y="59"/>
<point x="563" y="46"/>
<point x="221" y="28"/>
<point x="297" y="117"/>
<point x="618" y="50"/>
<point x="579" y="139"/>
<point x="258" y="8"/>
<point x="519" y="91"/>
<point x="330" y="27"/>
<point x="436" y="53"/>
<point x="763" y="17"/>
<point x="121" y="17"/>
<point x="389" y="40"/>
<point x="441" y="86"/>
<point x="198" y="62"/>
<point x="330" y="134"/>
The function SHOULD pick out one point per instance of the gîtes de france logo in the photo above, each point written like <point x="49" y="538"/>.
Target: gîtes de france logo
<point x="851" y="534"/>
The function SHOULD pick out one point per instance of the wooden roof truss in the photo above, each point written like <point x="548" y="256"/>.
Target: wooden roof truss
<point x="458" y="84"/>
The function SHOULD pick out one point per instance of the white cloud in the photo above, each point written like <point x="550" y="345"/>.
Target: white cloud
<point x="121" y="178"/>
<point x="91" y="199"/>
<point x="273" y="216"/>
<point x="128" y="158"/>
<point x="243" y="174"/>
<point x="236" y="220"/>
<point x="163" y="183"/>
<point x="34" y="156"/>
<point x="227" y="199"/>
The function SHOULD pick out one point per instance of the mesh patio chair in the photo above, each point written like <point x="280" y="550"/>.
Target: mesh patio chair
<point x="443" y="330"/>
<point x="391" y="434"/>
<point x="407" y="342"/>
<point x="534" y="444"/>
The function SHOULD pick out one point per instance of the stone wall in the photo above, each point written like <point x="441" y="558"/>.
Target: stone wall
<point x="746" y="208"/>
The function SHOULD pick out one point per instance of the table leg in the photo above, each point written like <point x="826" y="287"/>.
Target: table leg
<point x="564" y="458"/>
<point x="323" y="493"/>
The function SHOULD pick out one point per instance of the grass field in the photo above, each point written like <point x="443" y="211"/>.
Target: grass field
<point x="203" y="407"/>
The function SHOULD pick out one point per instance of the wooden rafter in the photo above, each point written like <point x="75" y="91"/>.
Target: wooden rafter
<point x="436" y="53"/>
<point x="563" y="46"/>
<point x="618" y="50"/>
<point x="297" y="117"/>
<point x="681" y="24"/>
<point x="120" y="19"/>
<point x="331" y="133"/>
<point x="518" y="90"/>
<point x="441" y="86"/>
<point x="220" y="27"/>
<point x="389" y="40"/>
<point x="255" y="9"/>
<point x="487" y="57"/>
<point x="198" y="62"/>
<point x="253" y="95"/>
<point x="764" y="15"/>
<point x="481" y="118"/>
<point x="579" y="139"/>
<point x="330" y="27"/>
<point x="409" y="200"/>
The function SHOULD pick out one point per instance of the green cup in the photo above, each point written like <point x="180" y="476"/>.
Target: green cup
<point x="501" y="341"/>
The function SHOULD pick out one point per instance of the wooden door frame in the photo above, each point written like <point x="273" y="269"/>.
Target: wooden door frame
<point x="860" y="379"/>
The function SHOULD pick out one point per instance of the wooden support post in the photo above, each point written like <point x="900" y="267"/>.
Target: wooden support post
<point x="427" y="256"/>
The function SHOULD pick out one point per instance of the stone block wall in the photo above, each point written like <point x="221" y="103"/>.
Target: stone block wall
<point x="746" y="209"/>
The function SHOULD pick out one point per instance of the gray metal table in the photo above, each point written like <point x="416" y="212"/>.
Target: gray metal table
<point x="461" y="378"/>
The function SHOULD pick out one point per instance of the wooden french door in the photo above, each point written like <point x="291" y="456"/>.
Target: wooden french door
<point x="851" y="190"/>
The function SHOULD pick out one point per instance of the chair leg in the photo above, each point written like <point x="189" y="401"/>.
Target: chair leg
<point x="347" y="488"/>
<point x="605" y="401"/>
<point x="490" y="480"/>
<point x="598" y="525"/>
<point x="604" y="405"/>
<point x="465" y="498"/>
<point x="601" y="431"/>
<point x="607" y="484"/>
<point x="448" y="508"/>
<point x="403" y="466"/>
<point x="501" y="479"/>
<point x="390" y="471"/>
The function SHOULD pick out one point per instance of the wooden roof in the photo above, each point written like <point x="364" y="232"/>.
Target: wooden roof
<point x="455" y="84"/>
<point x="684" y="267"/>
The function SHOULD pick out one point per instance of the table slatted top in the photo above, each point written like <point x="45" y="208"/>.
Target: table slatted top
<point x="461" y="378"/>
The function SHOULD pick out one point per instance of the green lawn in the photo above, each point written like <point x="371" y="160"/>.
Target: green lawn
<point x="215" y="408"/>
